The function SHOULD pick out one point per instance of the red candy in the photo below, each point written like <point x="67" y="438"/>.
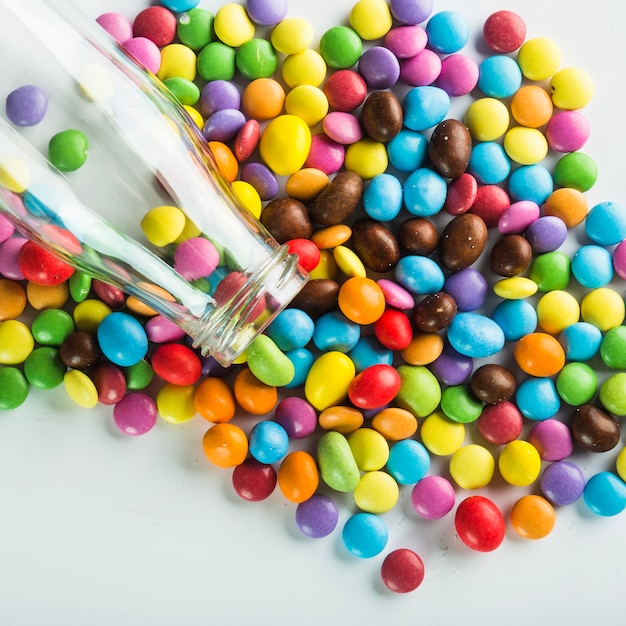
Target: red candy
<point x="247" y="140"/>
<point x="308" y="253"/>
<point x="479" y="524"/>
<point x="110" y="383"/>
<point x="345" y="90"/>
<point x="374" y="387"/>
<point x="109" y="294"/>
<point x="176" y="364"/>
<point x="393" y="329"/>
<point x="157" y="24"/>
<point x="41" y="267"/>
<point x="500" y="423"/>
<point x="504" y="31"/>
<point x="461" y="194"/>
<point x="490" y="203"/>
<point x="253" y="480"/>
<point x="402" y="570"/>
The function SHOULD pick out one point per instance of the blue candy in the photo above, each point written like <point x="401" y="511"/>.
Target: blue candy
<point x="475" y="335"/>
<point x="302" y="360"/>
<point x="580" y="341"/>
<point x="606" y="223"/>
<point x="365" y="535"/>
<point x="268" y="442"/>
<point x="499" y="76"/>
<point x="605" y="494"/>
<point x="424" y="107"/>
<point x="408" y="461"/>
<point x="448" y="31"/>
<point x="382" y="199"/>
<point x="537" y="398"/>
<point x="419" y="274"/>
<point x="531" y="182"/>
<point x="334" y="331"/>
<point x="122" y="339"/>
<point x="180" y="6"/>
<point x="425" y="192"/>
<point x="291" y="329"/>
<point x="592" y="266"/>
<point x="369" y="351"/>
<point x="489" y="163"/>
<point x="516" y="318"/>
<point x="407" y="150"/>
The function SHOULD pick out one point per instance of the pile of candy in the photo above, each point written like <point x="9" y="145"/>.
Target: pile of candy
<point x="440" y="297"/>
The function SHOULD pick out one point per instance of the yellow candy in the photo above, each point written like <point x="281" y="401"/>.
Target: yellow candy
<point x="189" y="231"/>
<point x="441" y="435"/>
<point x="163" y="225"/>
<point x="572" y="88"/>
<point x="285" y="144"/>
<point x="369" y="448"/>
<point x="249" y="197"/>
<point x="14" y="174"/>
<point x="177" y="61"/>
<point x="307" y="183"/>
<point x="328" y="380"/>
<point x="515" y="288"/>
<point x="331" y="236"/>
<point x="16" y="342"/>
<point x="176" y="403"/>
<point x="367" y="158"/>
<point x="371" y="19"/>
<point x="539" y="58"/>
<point x="377" y="492"/>
<point x="80" y="388"/>
<point x="89" y="313"/>
<point x="620" y="464"/>
<point x="327" y="266"/>
<point x="232" y="25"/>
<point x="603" y="308"/>
<point x="292" y="35"/>
<point x="348" y="262"/>
<point x="557" y="310"/>
<point x="526" y="146"/>
<point x="304" y="68"/>
<point x="308" y="102"/>
<point x="472" y="466"/>
<point x="487" y="119"/>
<point x="194" y="114"/>
<point x="95" y="82"/>
<point x="519" y="463"/>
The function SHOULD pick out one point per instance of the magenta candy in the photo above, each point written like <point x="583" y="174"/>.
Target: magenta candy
<point x="261" y="178"/>
<point x="422" y="69"/>
<point x="161" y="330"/>
<point x="6" y="228"/>
<point x="619" y="259"/>
<point x="433" y="497"/>
<point x="135" y="413"/>
<point x="247" y="140"/>
<point x="552" y="438"/>
<point x="406" y="41"/>
<point x="458" y="76"/>
<point x="379" y="67"/>
<point x="145" y="52"/>
<point x="296" y="416"/>
<point x="9" y="258"/>
<point x="342" y="127"/>
<point x="567" y="131"/>
<point x="396" y="295"/>
<point x="117" y="25"/>
<point x="518" y="217"/>
<point x="254" y="481"/>
<point x="196" y="258"/>
<point x="500" y="423"/>
<point x="325" y="154"/>
<point x="461" y="194"/>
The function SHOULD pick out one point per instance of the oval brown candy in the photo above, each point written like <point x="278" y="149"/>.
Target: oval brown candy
<point x="435" y="312"/>
<point x="375" y="245"/>
<point x="493" y="383"/>
<point x="510" y="255"/>
<point x="80" y="350"/>
<point x="286" y="219"/>
<point x="382" y="116"/>
<point x="450" y="148"/>
<point x="462" y="241"/>
<point x="593" y="429"/>
<point x="337" y="202"/>
<point x="417" y="235"/>
<point x="317" y="297"/>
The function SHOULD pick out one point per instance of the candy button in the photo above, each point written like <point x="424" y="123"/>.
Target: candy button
<point x="175" y="403"/>
<point x="516" y="318"/>
<point x="553" y="440"/>
<point x="377" y="492"/>
<point x="304" y="68"/>
<point x="214" y="400"/>
<point x="44" y="368"/>
<point x="52" y="326"/>
<point x="122" y="339"/>
<point x="216" y="61"/>
<point x="343" y="419"/>
<point x="519" y="463"/>
<point x="232" y="25"/>
<point x="67" y="150"/>
<point x="253" y="395"/>
<point x="515" y="288"/>
<point x="572" y="88"/>
<point x="177" y="61"/>
<point x="369" y="448"/>
<point x="500" y="423"/>
<point x="562" y="483"/>
<point x="419" y="392"/>
<point x="499" y="76"/>
<point x="537" y="398"/>
<point x="475" y="335"/>
<point x="292" y="35"/>
<point x="26" y="105"/>
<point x="371" y="19"/>
<point x="577" y="383"/>
<point x="592" y="266"/>
<point x="472" y="466"/>
<point x="525" y="146"/>
<point x="268" y="442"/>
<point x="533" y="517"/>
<point x="487" y="119"/>
<point x="557" y="310"/>
<point x="577" y="170"/>
<point x="13" y="388"/>
<point x="441" y="435"/>
<point x="395" y="424"/>
<point x="16" y="342"/>
<point x="317" y="517"/>
<point x="341" y="47"/>
<point x="256" y="58"/>
<point x="612" y="393"/>
<point x="81" y="389"/>
<point x="605" y="494"/>
<point x="424" y="107"/>
<point x="603" y="307"/>
<point x="285" y="144"/>
<point x="539" y="58"/>
<point x="225" y="445"/>
<point x="479" y="524"/>
<point x="298" y="476"/>
<point x="408" y="462"/>
<point x="365" y="535"/>
<point x="551" y="271"/>
<point x="606" y="223"/>
<point x="254" y="481"/>
<point x="267" y="12"/>
<point x="402" y="571"/>
<point x="448" y="32"/>
<point x="433" y="497"/>
<point x="12" y="299"/>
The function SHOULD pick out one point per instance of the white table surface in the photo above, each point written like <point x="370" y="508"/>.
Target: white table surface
<point x="98" y="528"/>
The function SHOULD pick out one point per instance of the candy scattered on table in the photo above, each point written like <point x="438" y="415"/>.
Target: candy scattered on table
<point x="445" y="336"/>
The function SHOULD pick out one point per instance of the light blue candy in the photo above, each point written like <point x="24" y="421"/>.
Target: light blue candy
<point x="606" y="223"/>
<point x="516" y="318"/>
<point x="475" y="335"/>
<point x="419" y="274"/>
<point x="382" y="198"/>
<point x="291" y="329"/>
<point x="122" y="339"/>
<point x="448" y="31"/>
<point x="538" y="399"/>
<point x="407" y="151"/>
<point x="268" y="442"/>
<point x="580" y="341"/>
<point x="424" y="107"/>
<point x="369" y="351"/>
<point x="531" y="182"/>
<point x="489" y="163"/>
<point x="365" y="535"/>
<point x="425" y="192"/>
<point x="499" y="76"/>
<point x="180" y="6"/>
<point x="302" y="360"/>
<point x="334" y="331"/>
<point x="408" y="461"/>
<point x="592" y="266"/>
<point x="605" y="494"/>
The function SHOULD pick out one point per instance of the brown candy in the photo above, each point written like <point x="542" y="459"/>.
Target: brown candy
<point x="493" y="383"/>
<point x="510" y="255"/>
<point x="435" y="312"/>
<point x="375" y="245"/>
<point x="317" y="297"/>
<point x="286" y="219"/>
<point x="450" y="148"/>
<point x="462" y="241"/>
<point x="382" y="116"/>
<point x="417" y="235"/>
<point x="339" y="200"/>
<point x="593" y="429"/>
<point x="80" y="350"/>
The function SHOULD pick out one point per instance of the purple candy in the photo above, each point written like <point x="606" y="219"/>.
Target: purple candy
<point x="296" y="416"/>
<point x="458" y="76"/>
<point x="552" y="438"/>
<point x="562" y="483"/>
<point x="422" y="69"/>
<point x="210" y="367"/>
<point x="546" y="234"/>
<point x="317" y="517"/>
<point x="411" y="11"/>
<point x="135" y="413"/>
<point x="433" y="497"/>
<point x="468" y="287"/>
<point x="379" y="67"/>
<point x="261" y="178"/>
<point x="9" y="258"/>
<point x="223" y="125"/>
<point x="451" y="367"/>
<point x="406" y="41"/>
<point x="217" y="95"/>
<point x="266" y="12"/>
<point x="26" y="105"/>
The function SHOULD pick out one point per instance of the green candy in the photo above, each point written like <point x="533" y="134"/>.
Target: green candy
<point x="420" y="391"/>
<point x="577" y="170"/>
<point x="268" y="363"/>
<point x="551" y="271"/>
<point x="577" y="383"/>
<point x="256" y="59"/>
<point x="336" y="462"/>
<point x="340" y="47"/>
<point x="183" y="90"/>
<point x="613" y="348"/>
<point x="195" y="28"/>
<point x="52" y="326"/>
<point x="13" y="388"/>
<point x="139" y="375"/>
<point x="44" y="368"/>
<point x="67" y="150"/>
<point x="460" y="405"/>
<point x="216" y="61"/>
<point x="613" y="394"/>
<point x="80" y="285"/>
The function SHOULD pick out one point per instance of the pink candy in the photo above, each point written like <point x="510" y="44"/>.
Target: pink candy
<point x="396" y="295"/>
<point x="458" y="76"/>
<point x="145" y="52"/>
<point x="117" y="25"/>
<point x="342" y="127"/>
<point x="567" y="131"/>
<point x="406" y="41"/>
<point x="422" y="69"/>
<point x="196" y="258"/>
<point x="161" y="330"/>
<point x="518" y="217"/>
<point x="325" y="154"/>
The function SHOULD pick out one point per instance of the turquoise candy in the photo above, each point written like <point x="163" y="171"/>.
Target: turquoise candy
<point x="475" y="335"/>
<point x="336" y="462"/>
<point x="537" y="398"/>
<point x="605" y="494"/>
<point x="268" y="363"/>
<point x="420" y="391"/>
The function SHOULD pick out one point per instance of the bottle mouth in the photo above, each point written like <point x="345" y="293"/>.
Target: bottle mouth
<point x="246" y="306"/>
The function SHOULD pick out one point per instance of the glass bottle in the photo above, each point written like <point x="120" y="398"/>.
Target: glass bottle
<point x="144" y="152"/>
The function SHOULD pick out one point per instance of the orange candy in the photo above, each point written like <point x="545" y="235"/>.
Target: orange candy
<point x="214" y="400"/>
<point x="226" y="161"/>
<point x="12" y="299"/>
<point x="298" y="476"/>
<point x="252" y="395"/>
<point x="331" y="236"/>
<point x="531" y="106"/>
<point x="263" y="99"/>
<point x="361" y="300"/>
<point x="395" y="424"/>
<point x="533" y="517"/>
<point x="47" y="296"/>
<point x="539" y="354"/>
<point x="568" y="204"/>
<point x="423" y="349"/>
<point x="225" y="445"/>
<point x="306" y="184"/>
<point x="343" y="419"/>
